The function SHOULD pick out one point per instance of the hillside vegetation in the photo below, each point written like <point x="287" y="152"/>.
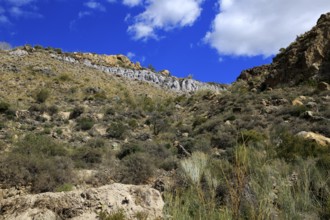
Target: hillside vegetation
<point x="246" y="152"/>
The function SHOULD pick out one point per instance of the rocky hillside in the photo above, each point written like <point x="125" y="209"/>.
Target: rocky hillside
<point x="120" y="65"/>
<point x="85" y="136"/>
<point x="305" y="60"/>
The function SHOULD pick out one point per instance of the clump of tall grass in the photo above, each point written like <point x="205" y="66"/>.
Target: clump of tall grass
<point x="254" y="183"/>
<point x="195" y="166"/>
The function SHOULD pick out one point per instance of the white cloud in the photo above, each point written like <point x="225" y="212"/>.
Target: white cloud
<point x="18" y="12"/>
<point x="164" y="15"/>
<point x="132" y="3"/>
<point x="142" y="31"/>
<point x="95" y="6"/>
<point x="82" y="14"/>
<point x="259" y="27"/>
<point x="130" y="55"/>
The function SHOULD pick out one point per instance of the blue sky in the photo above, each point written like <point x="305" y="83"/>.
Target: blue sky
<point x="212" y="40"/>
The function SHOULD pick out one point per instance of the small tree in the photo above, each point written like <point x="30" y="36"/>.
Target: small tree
<point x="158" y="123"/>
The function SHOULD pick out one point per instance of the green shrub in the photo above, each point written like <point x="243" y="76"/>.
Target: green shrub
<point x="118" y="215"/>
<point x="96" y="143"/>
<point x="76" y="112"/>
<point x="250" y="136"/>
<point x="292" y="147"/>
<point x="85" y="123"/>
<point x="86" y="157"/>
<point x="133" y="123"/>
<point x="110" y="111"/>
<point x="2" y="125"/>
<point x="38" y="161"/>
<point x="4" y="106"/>
<point x="158" y="122"/>
<point x="136" y="169"/>
<point x="198" y="121"/>
<point x="223" y="140"/>
<point x="66" y="187"/>
<point x="58" y="50"/>
<point x="116" y="130"/>
<point x="42" y="95"/>
<point x="52" y="110"/>
<point x="129" y="149"/>
<point x="38" y="47"/>
<point x="64" y="77"/>
<point x="295" y="111"/>
<point x="39" y="145"/>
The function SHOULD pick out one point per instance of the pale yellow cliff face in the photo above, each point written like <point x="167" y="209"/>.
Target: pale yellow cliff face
<point x="108" y="60"/>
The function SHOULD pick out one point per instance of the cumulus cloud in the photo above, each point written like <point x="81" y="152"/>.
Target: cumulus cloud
<point x="164" y="15"/>
<point x="95" y="5"/>
<point x="132" y="3"/>
<point x="259" y="27"/>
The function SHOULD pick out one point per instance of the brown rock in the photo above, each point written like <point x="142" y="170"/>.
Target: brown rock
<point x="297" y="102"/>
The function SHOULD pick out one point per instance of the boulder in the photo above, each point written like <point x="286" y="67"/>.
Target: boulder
<point x="297" y="102"/>
<point x="64" y="115"/>
<point x="323" y="86"/>
<point x="19" y="53"/>
<point x="165" y="72"/>
<point x="85" y="204"/>
<point x="320" y="139"/>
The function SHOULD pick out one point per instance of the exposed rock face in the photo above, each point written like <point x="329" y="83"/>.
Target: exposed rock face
<point x="162" y="80"/>
<point x="307" y="58"/>
<point x="85" y="205"/>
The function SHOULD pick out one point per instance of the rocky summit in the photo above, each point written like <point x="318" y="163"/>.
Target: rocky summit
<point x="87" y="136"/>
<point x="306" y="59"/>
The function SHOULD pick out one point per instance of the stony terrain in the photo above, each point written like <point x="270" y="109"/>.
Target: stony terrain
<point x="88" y="204"/>
<point x="305" y="60"/>
<point x="96" y="136"/>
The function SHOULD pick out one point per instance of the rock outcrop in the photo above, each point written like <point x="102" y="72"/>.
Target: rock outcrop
<point x="85" y="204"/>
<point x="160" y="79"/>
<point x="308" y="58"/>
<point x="320" y="139"/>
<point x="121" y="66"/>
